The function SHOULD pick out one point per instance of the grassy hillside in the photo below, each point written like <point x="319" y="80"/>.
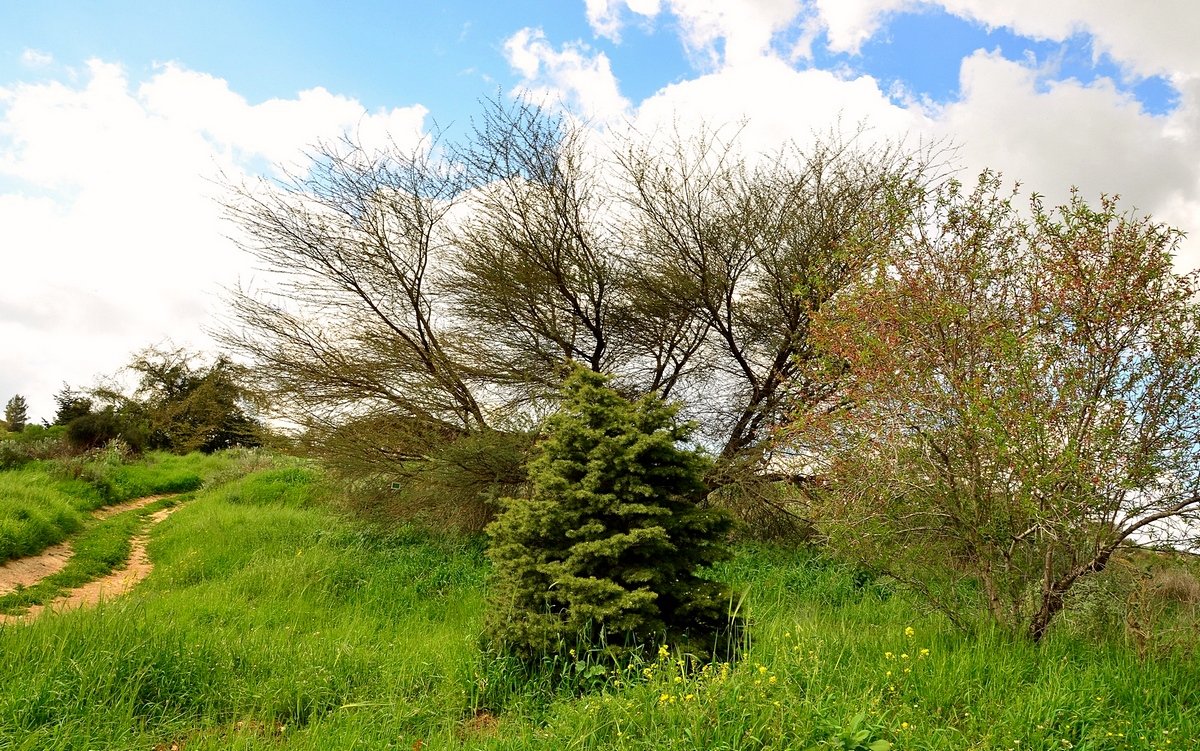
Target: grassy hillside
<point x="43" y="502"/>
<point x="272" y="623"/>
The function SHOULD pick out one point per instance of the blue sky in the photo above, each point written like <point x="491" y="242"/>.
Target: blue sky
<point x="447" y="55"/>
<point x="119" y="119"/>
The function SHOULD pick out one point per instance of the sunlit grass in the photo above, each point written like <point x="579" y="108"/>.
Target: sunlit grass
<point x="270" y="622"/>
<point x="44" y="502"/>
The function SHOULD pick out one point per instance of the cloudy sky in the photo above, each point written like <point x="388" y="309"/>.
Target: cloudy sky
<point x="120" y="120"/>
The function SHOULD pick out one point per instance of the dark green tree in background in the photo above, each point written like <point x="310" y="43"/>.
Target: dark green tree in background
<point x="192" y="406"/>
<point x="70" y="405"/>
<point x="181" y="404"/>
<point x="610" y="543"/>
<point x="16" y="413"/>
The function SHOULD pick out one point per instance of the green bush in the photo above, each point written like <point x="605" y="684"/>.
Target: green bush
<point x="32" y="443"/>
<point x="610" y="544"/>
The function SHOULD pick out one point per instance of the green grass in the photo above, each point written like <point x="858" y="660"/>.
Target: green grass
<point x="101" y="548"/>
<point x="39" y="509"/>
<point x="272" y="623"/>
<point x="44" y="502"/>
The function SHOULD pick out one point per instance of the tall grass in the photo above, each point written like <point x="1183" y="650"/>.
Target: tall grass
<point x="44" y="502"/>
<point x="39" y="509"/>
<point x="272" y="623"/>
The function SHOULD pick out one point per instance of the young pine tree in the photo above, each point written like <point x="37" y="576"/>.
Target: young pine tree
<point x="16" y="413"/>
<point x="610" y="542"/>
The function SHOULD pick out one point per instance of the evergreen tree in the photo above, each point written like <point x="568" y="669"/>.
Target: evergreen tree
<point x="610" y="540"/>
<point x="70" y="405"/>
<point x="16" y="413"/>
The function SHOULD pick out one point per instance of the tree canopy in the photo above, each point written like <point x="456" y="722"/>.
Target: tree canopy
<point x="444" y="290"/>
<point x="16" y="413"/>
<point x="1022" y="397"/>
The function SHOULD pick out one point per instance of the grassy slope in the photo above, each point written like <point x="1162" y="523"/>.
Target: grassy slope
<point x="271" y="624"/>
<point x="42" y="503"/>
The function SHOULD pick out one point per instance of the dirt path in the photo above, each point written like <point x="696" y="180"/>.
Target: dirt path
<point x="29" y="571"/>
<point x="25" y="572"/>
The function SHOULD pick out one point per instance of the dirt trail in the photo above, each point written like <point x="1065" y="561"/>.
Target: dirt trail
<point x="26" y="572"/>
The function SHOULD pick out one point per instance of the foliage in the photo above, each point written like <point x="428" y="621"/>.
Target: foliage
<point x="853" y="737"/>
<point x="70" y="404"/>
<point x="1024" y="398"/>
<point x="94" y="430"/>
<point x="33" y="443"/>
<point x="610" y="543"/>
<point x="445" y="289"/>
<point x="182" y="404"/>
<point x="16" y="414"/>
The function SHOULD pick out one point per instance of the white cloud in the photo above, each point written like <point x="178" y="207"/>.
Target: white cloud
<point x="714" y="32"/>
<point x="724" y="33"/>
<point x="573" y="74"/>
<point x="113" y="225"/>
<point x="1055" y="135"/>
<point x="773" y="103"/>
<point x="849" y="23"/>
<point x="1158" y="39"/>
<point x="32" y="58"/>
<point x="604" y="16"/>
<point x="1151" y="40"/>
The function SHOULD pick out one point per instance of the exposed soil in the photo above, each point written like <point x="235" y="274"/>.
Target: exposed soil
<point x="29" y="571"/>
<point x="25" y="572"/>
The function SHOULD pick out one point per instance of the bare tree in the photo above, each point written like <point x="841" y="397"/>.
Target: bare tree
<point x="434" y="294"/>
<point x="752" y="253"/>
<point x="356" y="328"/>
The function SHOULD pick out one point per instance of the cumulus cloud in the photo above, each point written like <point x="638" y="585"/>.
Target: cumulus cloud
<point x="772" y="103"/>
<point x="572" y="74"/>
<point x="1147" y="41"/>
<point x="849" y="23"/>
<point x="110" y="208"/>
<point x="605" y="16"/>
<point x="1054" y="135"/>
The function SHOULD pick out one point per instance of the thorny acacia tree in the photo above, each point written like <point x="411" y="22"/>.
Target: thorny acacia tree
<point x="443" y="292"/>
<point x="1025" y="399"/>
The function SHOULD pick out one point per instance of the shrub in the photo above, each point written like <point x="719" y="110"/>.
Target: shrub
<point x="610" y="544"/>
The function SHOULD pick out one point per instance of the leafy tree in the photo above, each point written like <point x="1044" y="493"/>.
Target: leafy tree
<point x="1024" y="398"/>
<point x="16" y="413"/>
<point x="70" y="405"/>
<point x="190" y="406"/>
<point x="98" y="427"/>
<point x="610" y="540"/>
<point x="180" y="404"/>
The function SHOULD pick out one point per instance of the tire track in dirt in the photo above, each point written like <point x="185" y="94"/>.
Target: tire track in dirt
<point x="26" y="572"/>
